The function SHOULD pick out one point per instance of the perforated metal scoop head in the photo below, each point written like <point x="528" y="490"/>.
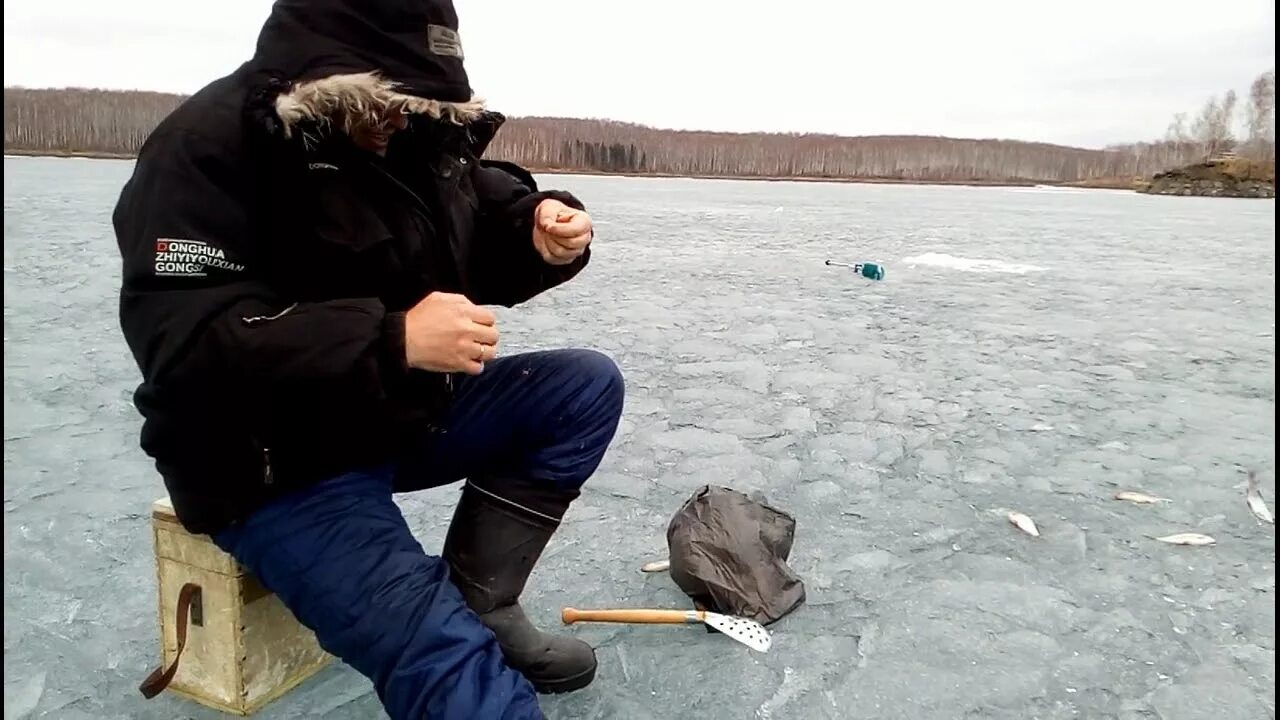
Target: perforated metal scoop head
<point x="748" y="632"/>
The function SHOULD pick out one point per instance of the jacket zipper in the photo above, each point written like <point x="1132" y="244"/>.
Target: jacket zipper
<point x="405" y="190"/>
<point x="251" y="321"/>
<point x="425" y="212"/>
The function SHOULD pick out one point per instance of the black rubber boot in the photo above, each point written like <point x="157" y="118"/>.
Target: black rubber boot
<point x="492" y="545"/>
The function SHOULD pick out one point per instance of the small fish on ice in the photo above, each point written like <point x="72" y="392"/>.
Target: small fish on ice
<point x="1140" y="498"/>
<point x="1023" y="523"/>
<point x="1189" y="538"/>
<point x="1257" y="505"/>
<point x="656" y="566"/>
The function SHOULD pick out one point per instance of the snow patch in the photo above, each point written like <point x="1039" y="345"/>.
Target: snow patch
<point x="970" y="264"/>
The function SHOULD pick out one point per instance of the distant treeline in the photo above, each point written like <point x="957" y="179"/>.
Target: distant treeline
<point x="74" y="121"/>
<point x="101" y="122"/>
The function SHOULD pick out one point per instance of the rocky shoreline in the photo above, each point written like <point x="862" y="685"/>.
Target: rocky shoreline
<point x="1215" y="178"/>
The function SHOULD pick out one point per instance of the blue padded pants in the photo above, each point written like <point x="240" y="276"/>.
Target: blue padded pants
<point x="340" y="555"/>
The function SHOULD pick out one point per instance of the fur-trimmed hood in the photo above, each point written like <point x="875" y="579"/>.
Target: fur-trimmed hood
<point x="350" y="98"/>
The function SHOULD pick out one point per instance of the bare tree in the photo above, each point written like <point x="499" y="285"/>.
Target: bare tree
<point x="1261" y="143"/>
<point x="1213" y="130"/>
<point x="1204" y="129"/>
<point x="1226" y="121"/>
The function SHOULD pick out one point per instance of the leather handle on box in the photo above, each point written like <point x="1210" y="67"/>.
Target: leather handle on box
<point x="160" y="678"/>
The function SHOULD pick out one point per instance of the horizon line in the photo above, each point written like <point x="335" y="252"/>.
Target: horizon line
<point x="739" y="133"/>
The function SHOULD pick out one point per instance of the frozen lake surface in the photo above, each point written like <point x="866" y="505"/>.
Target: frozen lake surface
<point x="1029" y="349"/>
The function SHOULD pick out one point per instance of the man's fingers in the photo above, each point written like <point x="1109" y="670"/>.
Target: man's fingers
<point x="577" y="224"/>
<point x="560" y="252"/>
<point x="558" y="215"/>
<point x="560" y="232"/>
<point x="552" y="260"/>
<point x="554" y="246"/>
<point x="472" y="353"/>
<point x="553" y="252"/>
<point x="572" y="242"/>
<point x="479" y="354"/>
<point x="485" y="335"/>
<point x="481" y="315"/>
<point x="556" y="251"/>
<point x="548" y="210"/>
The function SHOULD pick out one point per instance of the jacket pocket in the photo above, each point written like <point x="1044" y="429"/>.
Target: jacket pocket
<point x="343" y="223"/>
<point x="344" y="247"/>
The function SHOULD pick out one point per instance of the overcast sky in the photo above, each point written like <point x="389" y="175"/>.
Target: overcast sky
<point x="1086" y="72"/>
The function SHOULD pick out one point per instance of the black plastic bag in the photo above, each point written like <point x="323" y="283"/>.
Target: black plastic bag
<point x="729" y="553"/>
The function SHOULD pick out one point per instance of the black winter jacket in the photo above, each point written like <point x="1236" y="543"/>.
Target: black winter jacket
<point x="265" y="277"/>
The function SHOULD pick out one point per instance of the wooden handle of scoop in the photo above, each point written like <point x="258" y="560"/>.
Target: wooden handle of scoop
<point x="670" y="617"/>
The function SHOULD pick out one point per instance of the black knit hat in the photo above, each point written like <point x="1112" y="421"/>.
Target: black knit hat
<point x="414" y="43"/>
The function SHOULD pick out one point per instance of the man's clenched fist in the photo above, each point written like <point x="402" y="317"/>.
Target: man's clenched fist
<point x="560" y="233"/>
<point x="447" y="333"/>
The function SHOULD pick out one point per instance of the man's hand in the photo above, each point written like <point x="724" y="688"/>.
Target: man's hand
<point x="447" y="333"/>
<point x="560" y="233"/>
